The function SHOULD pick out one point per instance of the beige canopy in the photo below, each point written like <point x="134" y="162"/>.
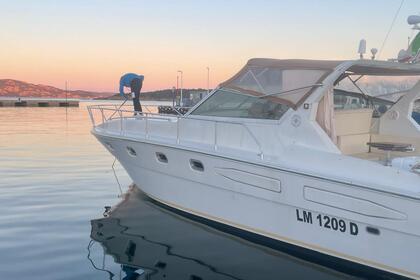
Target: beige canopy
<point x="383" y="68"/>
<point x="282" y="81"/>
<point x="291" y="81"/>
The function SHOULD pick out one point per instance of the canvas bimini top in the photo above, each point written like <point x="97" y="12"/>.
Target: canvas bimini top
<point x="291" y="81"/>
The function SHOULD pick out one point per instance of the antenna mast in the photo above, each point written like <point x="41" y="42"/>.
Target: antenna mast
<point x="390" y="28"/>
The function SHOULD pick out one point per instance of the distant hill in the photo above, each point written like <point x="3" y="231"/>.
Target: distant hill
<point x="14" y="88"/>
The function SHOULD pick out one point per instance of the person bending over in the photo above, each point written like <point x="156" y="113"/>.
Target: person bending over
<point x="135" y="82"/>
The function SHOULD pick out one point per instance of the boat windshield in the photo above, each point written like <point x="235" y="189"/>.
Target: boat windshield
<point x="235" y="104"/>
<point x="266" y="89"/>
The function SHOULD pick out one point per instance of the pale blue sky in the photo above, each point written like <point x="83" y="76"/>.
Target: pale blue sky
<point x="46" y="41"/>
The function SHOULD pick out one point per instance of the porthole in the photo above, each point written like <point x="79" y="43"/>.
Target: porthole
<point x="196" y="165"/>
<point x="373" y="230"/>
<point x="161" y="158"/>
<point x="131" y="151"/>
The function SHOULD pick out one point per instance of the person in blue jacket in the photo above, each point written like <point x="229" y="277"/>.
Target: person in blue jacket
<point x="135" y="82"/>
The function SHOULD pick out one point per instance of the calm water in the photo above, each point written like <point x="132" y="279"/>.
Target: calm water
<point x="56" y="178"/>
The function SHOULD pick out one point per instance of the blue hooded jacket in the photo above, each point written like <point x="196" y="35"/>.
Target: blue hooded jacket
<point x="126" y="80"/>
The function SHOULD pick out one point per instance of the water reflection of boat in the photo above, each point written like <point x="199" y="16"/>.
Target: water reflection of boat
<point x="151" y="243"/>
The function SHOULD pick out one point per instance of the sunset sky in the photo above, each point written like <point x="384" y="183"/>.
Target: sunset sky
<point x="91" y="43"/>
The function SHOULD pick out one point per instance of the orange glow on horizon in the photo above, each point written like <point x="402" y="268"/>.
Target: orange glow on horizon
<point x="104" y="76"/>
<point x="92" y="43"/>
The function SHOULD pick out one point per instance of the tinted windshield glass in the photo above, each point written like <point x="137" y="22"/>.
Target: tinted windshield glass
<point x="228" y="103"/>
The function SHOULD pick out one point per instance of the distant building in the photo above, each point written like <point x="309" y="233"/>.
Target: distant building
<point x="193" y="96"/>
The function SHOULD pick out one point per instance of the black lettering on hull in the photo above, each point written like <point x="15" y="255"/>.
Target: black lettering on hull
<point x="307" y="217"/>
<point x="298" y="216"/>
<point x="328" y="222"/>
<point x="354" y="230"/>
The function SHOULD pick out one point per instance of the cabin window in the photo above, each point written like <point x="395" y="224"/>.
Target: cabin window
<point x="235" y="104"/>
<point x="196" y="165"/>
<point x="162" y="157"/>
<point x="131" y="151"/>
<point x="416" y="111"/>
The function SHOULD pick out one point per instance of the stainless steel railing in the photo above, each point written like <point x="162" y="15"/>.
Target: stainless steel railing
<point x="109" y="113"/>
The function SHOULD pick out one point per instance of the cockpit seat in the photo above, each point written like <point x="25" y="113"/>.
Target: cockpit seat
<point x="353" y="130"/>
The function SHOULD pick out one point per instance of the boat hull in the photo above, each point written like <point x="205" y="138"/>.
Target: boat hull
<point x="333" y="223"/>
<point x="329" y="261"/>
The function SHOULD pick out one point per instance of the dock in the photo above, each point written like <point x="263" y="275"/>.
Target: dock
<point x="38" y="102"/>
<point x="169" y="110"/>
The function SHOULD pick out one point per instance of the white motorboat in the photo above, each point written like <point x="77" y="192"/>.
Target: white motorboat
<point x="268" y="155"/>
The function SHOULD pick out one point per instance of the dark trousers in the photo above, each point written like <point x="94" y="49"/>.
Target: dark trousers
<point x="136" y="85"/>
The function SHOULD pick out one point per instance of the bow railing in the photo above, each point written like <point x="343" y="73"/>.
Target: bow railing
<point x="104" y="115"/>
